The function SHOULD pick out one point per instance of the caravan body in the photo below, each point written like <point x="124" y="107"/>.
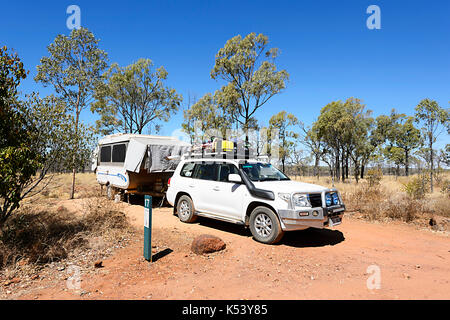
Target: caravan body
<point x="134" y="163"/>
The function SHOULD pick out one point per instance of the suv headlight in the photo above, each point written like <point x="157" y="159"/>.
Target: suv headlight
<point x="301" y="200"/>
<point x="335" y="198"/>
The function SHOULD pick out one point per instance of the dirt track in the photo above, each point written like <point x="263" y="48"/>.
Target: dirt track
<point x="310" y="264"/>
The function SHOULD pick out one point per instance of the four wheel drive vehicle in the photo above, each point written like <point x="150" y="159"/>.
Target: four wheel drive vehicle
<point x="251" y="193"/>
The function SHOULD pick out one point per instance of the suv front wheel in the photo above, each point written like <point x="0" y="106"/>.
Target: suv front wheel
<point x="185" y="209"/>
<point x="265" y="226"/>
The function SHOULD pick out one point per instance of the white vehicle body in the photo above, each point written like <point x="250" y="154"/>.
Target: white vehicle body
<point x="234" y="201"/>
<point x="136" y="163"/>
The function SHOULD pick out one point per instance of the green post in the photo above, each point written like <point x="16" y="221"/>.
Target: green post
<point x="148" y="228"/>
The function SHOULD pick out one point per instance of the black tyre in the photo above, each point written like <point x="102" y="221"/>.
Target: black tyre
<point x="185" y="209"/>
<point x="265" y="226"/>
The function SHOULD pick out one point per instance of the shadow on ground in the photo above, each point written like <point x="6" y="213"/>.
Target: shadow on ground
<point x="302" y="239"/>
<point x="312" y="237"/>
<point x="157" y="202"/>
<point x="224" y="226"/>
<point x="161" y="254"/>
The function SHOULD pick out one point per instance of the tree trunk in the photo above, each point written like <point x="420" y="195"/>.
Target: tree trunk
<point x="356" y="171"/>
<point x="337" y="167"/>
<point x="72" y="191"/>
<point x="406" y="163"/>
<point x="316" y="167"/>
<point x="431" y="163"/>
<point x="363" y="167"/>
<point x="346" y="167"/>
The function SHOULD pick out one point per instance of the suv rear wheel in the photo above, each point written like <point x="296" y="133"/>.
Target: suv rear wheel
<point x="265" y="226"/>
<point x="185" y="209"/>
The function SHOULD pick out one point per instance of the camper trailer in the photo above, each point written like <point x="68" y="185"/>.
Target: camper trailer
<point x="136" y="164"/>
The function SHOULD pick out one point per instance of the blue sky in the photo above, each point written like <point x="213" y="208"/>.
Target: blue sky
<point x="325" y="46"/>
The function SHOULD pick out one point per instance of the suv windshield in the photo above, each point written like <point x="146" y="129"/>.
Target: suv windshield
<point x="262" y="172"/>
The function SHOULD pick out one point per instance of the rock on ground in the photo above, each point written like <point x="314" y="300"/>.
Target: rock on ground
<point x="206" y="243"/>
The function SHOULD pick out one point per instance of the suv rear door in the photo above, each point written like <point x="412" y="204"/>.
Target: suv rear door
<point x="201" y="185"/>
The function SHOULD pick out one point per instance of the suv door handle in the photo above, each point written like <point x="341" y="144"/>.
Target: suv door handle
<point x="191" y="185"/>
<point x="216" y="189"/>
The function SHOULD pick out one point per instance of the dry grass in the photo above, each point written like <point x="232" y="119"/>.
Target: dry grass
<point x="49" y="228"/>
<point x="39" y="236"/>
<point x="389" y="200"/>
<point x="59" y="187"/>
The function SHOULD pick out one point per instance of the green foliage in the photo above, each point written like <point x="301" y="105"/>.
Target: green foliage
<point x="11" y="73"/>
<point x="282" y="122"/>
<point x="18" y="160"/>
<point x="433" y="119"/>
<point x="74" y="69"/>
<point x="56" y="137"/>
<point x="248" y="67"/>
<point x="133" y="97"/>
<point x="344" y="129"/>
<point x="417" y="186"/>
<point x="401" y="136"/>
<point x="206" y="117"/>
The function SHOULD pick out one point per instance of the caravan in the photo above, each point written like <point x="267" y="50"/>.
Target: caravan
<point x="139" y="164"/>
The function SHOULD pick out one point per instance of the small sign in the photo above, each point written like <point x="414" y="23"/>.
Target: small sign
<point x="147" y="217"/>
<point x="148" y="228"/>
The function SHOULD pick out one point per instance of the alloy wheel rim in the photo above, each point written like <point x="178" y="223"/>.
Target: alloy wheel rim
<point x="184" y="209"/>
<point x="263" y="225"/>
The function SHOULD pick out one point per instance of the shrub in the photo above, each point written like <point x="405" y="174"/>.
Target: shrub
<point x="417" y="187"/>
<point x="445" y="187"/>
<point x="374" y="177"/>
<point x="45" y="236"/>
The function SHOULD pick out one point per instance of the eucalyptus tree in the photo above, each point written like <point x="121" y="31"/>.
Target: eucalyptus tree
<point x="205" y="116"/>
<point x="248" y="67"/>
<point x="343" y="132"/>
<point x="73" y="68"/>
<point x="284" y="122"/>
<point x="434" y="120"/>
<point x="327" y="130"/>
<point x="407" y="137"/>
<point x="355" y="126"/>
<point x="311" y="139"/>
<point x="133" y="97"/>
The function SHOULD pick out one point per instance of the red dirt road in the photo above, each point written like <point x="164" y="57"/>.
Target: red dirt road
<point x="310" y="264"/>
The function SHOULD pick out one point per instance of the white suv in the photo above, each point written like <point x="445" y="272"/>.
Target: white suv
<point x="251" y="193"/>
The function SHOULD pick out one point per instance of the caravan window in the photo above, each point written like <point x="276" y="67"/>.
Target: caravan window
<point x="118" y="153"/>
<point x="105" y="154"/>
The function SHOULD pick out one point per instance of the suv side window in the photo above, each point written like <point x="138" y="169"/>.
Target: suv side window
<point x="225" y="169"/>
<point x="206" y="171"/>
<point x="187" y="170"/>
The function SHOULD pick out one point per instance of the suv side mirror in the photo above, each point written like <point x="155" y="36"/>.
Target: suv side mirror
<point x="233" y="177"/>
